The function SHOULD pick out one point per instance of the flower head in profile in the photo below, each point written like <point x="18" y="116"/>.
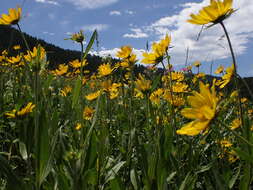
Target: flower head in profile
<point x="61" y="70"/>
<point x="197" y="64"/>
<point x="12" y="18"/>
<point x="214" y="13"/>
<point x="219" y="70"/>
<point x="93" y="95"/>
<point x="230" y="71"/>
<point x="65" y="91"/>
<point x="203" y="110"/>
<point x="158" y="51"/>
<point x="22" y="112"/>
<point x="77" y="37"/>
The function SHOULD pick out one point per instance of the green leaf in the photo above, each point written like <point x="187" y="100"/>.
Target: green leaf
<point x="76" y="92"/>
<point x="243" y="155"/>
<point x="245" y="178"/>
<point x="171" y="176"/>
<point x="115" y="184"/>
<point x="133" y="179"/>
<point x="186" y="180"/>
<point x="47" y="167"/>
<point x="92" y="39"/>
<point x="113" y="172"/>
<point x="204" y="168"/>
<point x="23" y="150"/>
<point x="155" y="82"/>
<point x="234" y="178"/>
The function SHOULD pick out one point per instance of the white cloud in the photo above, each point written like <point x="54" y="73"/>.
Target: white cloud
<point x="53" y="2"/>
<point x="129" y="12"/>
<point x="137" y="33"/>
<point x="48" y="33"/>
<point x="91" y="4"/>
<point x="211" y="44"/>
<point x="92" y="27"/>
<point x="115" y="13"/>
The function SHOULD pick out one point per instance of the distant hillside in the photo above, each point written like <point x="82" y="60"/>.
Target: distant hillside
<point x="10" y="36"/>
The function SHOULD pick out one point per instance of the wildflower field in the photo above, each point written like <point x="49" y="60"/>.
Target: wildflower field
<point x="113" y="128"/>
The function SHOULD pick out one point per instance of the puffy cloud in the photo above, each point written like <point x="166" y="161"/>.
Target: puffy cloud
<point x="91" y="4"/>
<point x="53" y="2"/>
<point x="129" y="12"/>
<point x="212" y="44"/>
<point x="137" y="33"/>
<point x="115" y="13"/>
<point x="92" y="27"/>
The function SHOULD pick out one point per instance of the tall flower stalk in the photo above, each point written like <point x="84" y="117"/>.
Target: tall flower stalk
<point x="216" y="13"/>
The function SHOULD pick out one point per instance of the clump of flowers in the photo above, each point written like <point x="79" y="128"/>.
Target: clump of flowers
<point x="158" y="51"/>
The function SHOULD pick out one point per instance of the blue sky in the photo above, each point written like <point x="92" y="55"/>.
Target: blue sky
<point x="136" y="22"/>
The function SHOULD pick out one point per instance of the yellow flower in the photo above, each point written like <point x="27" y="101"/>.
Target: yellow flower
<point x="236" y="123"/>
<point x="232" y="156"/>
<point x="104" y="70"/>
<point x="65" y="91"/>
<point x="200" y="75"/>
<point x="178" y="76"/>
<point x="219" y="70"/>
<point x="203" y="110"/>
<point x="77" y="64"/>
<point x="11" y="114"/>
<point x="243" y="100"/>
<point x="14" y="60"/>
<point x="62" y="69"/>
<point x="214" y="13"/>
<point x="142" y="84"/>
<point x="156" y="95"/>
<point x="179" y="87"/>
<point x="173" y="99"/>
<point x="225" y="143"/>
<point x="111" y="88"/>
<point x="158" y="51"/>
<point x="88" y="113"/>
<point x="93" y="96"/>
<point x="197" y="64"/>
<point x="13" y="17"/>
<point x="27" y="109"/>
<point x="78" y="126"/>
<point x="227" y="77"/>
<point x="124" y="52"/>
<point x="77" y="37"/>
<point x="16" y="47"/>
<point x="37" y="51"/>
<point x="24" y="111"/>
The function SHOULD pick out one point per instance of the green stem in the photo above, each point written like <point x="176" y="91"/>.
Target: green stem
<point x="235" y="75"/>
<point x="171" y="94"/>
<point x="23" y="36"/>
